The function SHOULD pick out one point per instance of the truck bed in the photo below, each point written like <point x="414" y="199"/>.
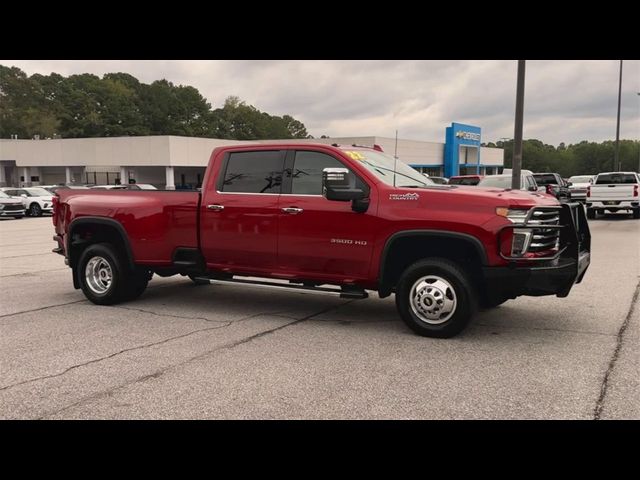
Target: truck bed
<point x="156" y="221"/>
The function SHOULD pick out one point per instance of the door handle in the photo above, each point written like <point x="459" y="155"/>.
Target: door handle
<point x="292" y="210"/>
<point x="215" y="207"/>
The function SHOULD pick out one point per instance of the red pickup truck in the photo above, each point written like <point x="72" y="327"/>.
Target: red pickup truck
<point x="334" y="219"/>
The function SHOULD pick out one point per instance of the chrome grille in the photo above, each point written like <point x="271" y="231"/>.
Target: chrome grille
<point x="544" y="238"/>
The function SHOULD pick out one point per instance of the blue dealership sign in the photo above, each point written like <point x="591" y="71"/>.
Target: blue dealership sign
<point x="461" y="140"/>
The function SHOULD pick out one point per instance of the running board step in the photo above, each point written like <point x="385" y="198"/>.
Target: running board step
<point x="344" y="292"/>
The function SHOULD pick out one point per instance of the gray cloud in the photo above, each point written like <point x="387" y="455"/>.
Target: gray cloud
<point x="565" y="101"/>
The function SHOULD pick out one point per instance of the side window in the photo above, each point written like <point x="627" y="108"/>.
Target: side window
<point x="306" y="176"/>
<point x="254" y="172"/>
<point x="529" y="182"/>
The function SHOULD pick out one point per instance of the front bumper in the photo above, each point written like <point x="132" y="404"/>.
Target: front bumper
<point x="618" y="205"/>
<point x="12" y="213"/>
<point x="546" y="276"/>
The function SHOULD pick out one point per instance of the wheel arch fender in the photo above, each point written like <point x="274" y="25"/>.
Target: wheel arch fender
<point x="387" y="275"/>
<point x="104" y="229"/>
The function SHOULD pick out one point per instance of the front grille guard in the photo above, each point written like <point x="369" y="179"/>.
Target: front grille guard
<point x="574" y="232"/>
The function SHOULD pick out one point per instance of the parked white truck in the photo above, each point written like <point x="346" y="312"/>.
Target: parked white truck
<point x="613" y="191"/>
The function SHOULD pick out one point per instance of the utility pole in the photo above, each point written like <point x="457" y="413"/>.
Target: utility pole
<point x="516" y="164"/>
<point x="616" y="158"/>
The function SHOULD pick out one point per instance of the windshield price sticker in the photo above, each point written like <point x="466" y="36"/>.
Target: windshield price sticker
<point x="355" y="155"/>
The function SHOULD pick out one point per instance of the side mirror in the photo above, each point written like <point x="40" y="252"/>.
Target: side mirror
<point x="339" y="184"/>
<point x="533" y="188"/>
<point x="569" y="184"/>
<point x="23" y="195"/>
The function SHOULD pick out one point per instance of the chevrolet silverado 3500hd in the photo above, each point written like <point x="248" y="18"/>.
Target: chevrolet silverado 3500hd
<point x="342" y="220"/>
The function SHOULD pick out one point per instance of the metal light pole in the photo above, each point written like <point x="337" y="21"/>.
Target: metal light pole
<point x="516" y="163"/>
<point x="616" y="158"/>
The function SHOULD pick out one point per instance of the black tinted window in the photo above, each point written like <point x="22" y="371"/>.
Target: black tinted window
<point x="616" y="178"/>
<point x="307" y="172"/>
<point x="254" y="172"/>
<point x="545" y="179"/>
<point x="464" y="181"/>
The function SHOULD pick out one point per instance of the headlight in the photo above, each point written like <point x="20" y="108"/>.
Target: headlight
<point x="514" y="215"/>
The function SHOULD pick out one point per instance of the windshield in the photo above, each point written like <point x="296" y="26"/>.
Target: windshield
<point x="583" y="179"/>
<point x="4" y="195"/>
<point x="382" y="166"/>
<point x="38" y="192"/>
<point x="498" y="181"/>
<point x="616" y="178"/>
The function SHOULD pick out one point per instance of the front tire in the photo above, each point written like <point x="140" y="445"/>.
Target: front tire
<point x="35" y="210"/>
<point x="435" y="298"/>
<point x="636" y="213"/>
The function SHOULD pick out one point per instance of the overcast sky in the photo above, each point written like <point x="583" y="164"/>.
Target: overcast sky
<point x="565" y="101"/>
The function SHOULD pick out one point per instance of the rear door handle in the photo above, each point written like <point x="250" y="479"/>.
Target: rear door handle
<point x="292" y="210"/>
<point x="215" y="207"/>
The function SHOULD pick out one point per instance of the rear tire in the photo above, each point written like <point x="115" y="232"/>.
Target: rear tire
<point x="591" y="213"/>
<point x="104" y="277"/>
<point x="137" y="284"/>
<point x="435" y="298"/>
<point x="636" y="213"/>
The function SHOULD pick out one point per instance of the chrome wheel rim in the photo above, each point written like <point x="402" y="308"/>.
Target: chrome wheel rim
<point x="98" y="275"/>
<point x="433" y="299"/>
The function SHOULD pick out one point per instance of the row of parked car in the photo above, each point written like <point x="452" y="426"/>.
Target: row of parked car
<point x="607" y="191"/>
<point x="552" y="183"/>
<point x="36" y="201"/>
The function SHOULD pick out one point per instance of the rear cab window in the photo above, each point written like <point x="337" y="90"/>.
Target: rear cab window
<point x="252" y="172"/>
<point x="609" y="178"/>
<point x="546" y="179"/>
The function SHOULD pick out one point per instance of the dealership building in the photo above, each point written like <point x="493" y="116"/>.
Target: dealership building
<point x="170" y="162"/>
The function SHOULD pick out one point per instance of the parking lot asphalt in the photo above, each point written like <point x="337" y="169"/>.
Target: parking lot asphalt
<point x="223" y="352"/>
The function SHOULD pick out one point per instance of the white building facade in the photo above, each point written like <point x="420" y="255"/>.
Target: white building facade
<point x="178" y="162"/>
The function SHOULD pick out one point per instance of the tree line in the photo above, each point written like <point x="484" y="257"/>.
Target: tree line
<point x="584" y="158"/>
<point x="118" y="104"/>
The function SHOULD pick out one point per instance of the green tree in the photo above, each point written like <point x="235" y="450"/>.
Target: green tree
<point x="118" y="104"/>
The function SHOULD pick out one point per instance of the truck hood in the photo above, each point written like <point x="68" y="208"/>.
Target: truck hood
<point x="504" y="196"/>
<point x="10" y="201"/>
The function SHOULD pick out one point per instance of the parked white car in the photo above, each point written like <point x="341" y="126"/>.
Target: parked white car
<point x="578" y="186"/>
<point x="36" y="200"/>
<point x="10" y="207"/>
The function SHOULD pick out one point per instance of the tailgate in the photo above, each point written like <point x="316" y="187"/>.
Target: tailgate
<point x="612" y="192"/>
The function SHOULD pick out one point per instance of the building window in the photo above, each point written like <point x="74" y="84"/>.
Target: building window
<point x="35" y="179"/>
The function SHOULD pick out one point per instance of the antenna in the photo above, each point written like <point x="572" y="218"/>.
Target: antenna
<point x="395" y="159"/>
